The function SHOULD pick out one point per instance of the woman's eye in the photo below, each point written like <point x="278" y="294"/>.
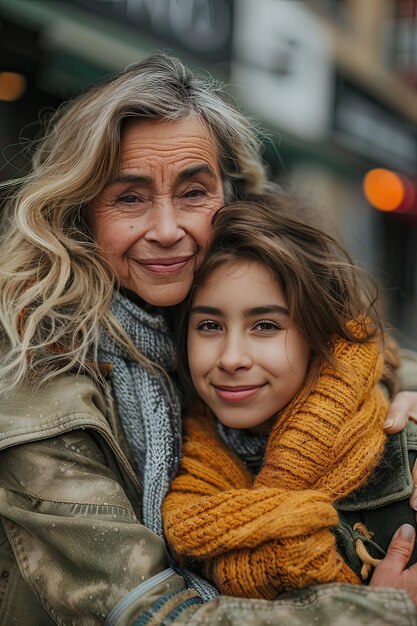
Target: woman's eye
<point x="196" y="192"/>
<point x="209" y="326"/>
<point x="266" y="325"/>
<point x="129" y="198"/>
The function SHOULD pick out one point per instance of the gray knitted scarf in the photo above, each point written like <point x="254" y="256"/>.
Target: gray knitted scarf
<point x="250" y="447"/>
<point x="149" y="408"/>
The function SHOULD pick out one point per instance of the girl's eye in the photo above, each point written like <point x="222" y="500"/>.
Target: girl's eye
<point x="266" y="325"/>
<point x="208" y="326"/>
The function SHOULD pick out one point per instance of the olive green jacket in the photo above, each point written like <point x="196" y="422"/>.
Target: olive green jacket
<point x="72" y="551"/>
<point x="382" y="505"/>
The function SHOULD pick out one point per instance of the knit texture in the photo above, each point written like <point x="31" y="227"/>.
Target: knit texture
<point x="258" y="537"/>
<point x="149" y="408"/>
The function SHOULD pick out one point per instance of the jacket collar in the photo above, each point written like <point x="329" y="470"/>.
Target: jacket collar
<point x="390" y="482"/>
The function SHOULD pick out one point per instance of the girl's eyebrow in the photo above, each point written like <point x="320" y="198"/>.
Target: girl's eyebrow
<point x="269" y="308"/>
<point x="258" y="310"/>
<point x="207" y="310"/>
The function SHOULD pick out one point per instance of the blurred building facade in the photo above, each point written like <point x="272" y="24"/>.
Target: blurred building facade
<point x="332" y="82"/>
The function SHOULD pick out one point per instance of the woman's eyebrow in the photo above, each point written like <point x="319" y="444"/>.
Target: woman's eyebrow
<point x="187" y="173"/>
<point x="133" y="178"/>
<point x="194" y="170"/>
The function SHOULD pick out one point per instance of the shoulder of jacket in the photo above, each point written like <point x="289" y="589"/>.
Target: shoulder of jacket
<point x="65" y="403"/>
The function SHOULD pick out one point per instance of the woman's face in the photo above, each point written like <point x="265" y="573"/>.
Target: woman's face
<point x="153" y="222"/>
<point x="246" y="356"/>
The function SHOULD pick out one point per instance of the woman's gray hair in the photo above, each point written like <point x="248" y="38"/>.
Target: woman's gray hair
<point x="160" y="87"/>
<point x="55" y="289"/>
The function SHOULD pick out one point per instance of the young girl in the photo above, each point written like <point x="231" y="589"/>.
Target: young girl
<point x="287" y="357"/>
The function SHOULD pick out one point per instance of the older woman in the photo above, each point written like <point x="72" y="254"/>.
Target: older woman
<point x="99" y="239"/>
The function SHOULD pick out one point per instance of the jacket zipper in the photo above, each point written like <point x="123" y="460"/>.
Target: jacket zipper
<point x="133" y="595"/>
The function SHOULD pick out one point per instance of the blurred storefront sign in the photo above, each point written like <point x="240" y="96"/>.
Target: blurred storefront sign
<point x="282" y="70"/>
<point x="399" y="38"/>
<point x="370" y="129"/>
<point x="200" y="27"/>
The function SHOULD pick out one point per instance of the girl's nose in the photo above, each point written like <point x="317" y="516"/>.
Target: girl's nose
<point x="235" y="354"/>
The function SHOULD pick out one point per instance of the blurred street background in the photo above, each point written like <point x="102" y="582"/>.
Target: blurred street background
<point x="333" y="84"/>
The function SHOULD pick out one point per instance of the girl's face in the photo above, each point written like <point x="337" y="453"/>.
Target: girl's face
<point x="247" y="358"/>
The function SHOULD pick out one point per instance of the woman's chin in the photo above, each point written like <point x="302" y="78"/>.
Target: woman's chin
<point x="159" y="296"/>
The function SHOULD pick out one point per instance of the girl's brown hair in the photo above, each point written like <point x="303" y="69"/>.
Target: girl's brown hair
<point x="322" y="286"/>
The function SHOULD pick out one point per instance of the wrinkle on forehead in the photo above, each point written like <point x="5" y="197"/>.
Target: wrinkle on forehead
<point x="156" y="150"/>
<point x="189" y="134"/>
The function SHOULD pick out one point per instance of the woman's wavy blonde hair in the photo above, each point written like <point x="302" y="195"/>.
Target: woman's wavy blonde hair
<point x="55" y="289"/>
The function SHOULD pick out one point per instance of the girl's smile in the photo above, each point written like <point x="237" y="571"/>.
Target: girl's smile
<point x="237" y="393"/>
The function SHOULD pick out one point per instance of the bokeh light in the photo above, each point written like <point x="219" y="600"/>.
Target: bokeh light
<point x="12" y="86"/>
<point x="389" y="191"/>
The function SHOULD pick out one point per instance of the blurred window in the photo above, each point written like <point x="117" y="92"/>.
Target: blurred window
<point x="401" y="40"/>
<point x="336" y="8"/>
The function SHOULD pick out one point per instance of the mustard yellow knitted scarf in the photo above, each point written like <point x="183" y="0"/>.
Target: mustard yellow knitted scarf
<point x="257" y="537"/>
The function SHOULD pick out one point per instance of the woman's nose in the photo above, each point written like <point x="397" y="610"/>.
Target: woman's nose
<point x="165" y="228"/>
<point x="235" y="354"/>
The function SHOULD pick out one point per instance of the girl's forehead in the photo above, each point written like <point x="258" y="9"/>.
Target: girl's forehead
<point x="226" y="269"/>
<point x="243" y="280"/>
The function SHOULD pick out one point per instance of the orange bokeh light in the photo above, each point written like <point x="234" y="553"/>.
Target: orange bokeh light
<point x="384" y="189"/>
<point x="12" y="86"/>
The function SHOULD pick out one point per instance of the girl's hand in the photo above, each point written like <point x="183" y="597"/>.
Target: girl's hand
<point x="402" y="409"/>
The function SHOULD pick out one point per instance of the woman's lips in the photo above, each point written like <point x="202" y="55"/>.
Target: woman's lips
<point x="165" y="266"/>
<point x="238" y="393"/>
